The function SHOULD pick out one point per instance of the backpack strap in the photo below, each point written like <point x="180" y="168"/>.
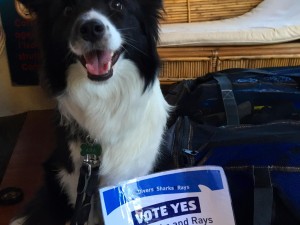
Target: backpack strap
<point x="263" y="197"/>
<point x="230" y="106"/>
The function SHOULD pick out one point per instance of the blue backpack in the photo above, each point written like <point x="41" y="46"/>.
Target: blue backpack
<point x="248" y="122"/>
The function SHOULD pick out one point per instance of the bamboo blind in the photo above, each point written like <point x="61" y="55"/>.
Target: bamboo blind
<point x="187" y="11"/>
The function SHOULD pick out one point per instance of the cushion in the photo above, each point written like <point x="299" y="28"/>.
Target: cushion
<point x="272" y="21"/>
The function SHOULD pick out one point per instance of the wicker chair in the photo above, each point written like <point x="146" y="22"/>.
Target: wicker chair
<point x="187" y="62"/>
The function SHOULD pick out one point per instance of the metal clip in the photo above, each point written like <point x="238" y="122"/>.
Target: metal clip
<point x="91" y="160"/>
<point x="90" y="140"/>
<point x="190" y="152"/>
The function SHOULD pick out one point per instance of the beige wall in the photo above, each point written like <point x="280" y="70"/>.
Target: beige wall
<point x="15" y="99"/>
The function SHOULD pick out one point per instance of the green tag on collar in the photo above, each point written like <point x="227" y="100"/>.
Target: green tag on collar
<point x="90" y="149"/>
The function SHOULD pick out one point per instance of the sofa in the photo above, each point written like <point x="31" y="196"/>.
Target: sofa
<point x="202" y="36"/>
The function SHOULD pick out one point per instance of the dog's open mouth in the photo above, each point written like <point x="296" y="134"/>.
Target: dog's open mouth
<point x="99" y="64"/>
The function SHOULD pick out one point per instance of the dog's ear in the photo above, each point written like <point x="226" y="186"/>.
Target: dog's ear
<point x="151" y="13"/>
<point x="152" y="10"/>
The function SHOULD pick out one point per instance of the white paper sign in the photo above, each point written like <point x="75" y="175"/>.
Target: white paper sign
<point x="191" y="196"/>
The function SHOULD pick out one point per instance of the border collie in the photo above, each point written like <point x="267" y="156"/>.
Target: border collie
<point x="101" y="64"/>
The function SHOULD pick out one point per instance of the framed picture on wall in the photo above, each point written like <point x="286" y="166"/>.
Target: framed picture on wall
<point x="2" y="38"/>
<point x="22" y="50"/>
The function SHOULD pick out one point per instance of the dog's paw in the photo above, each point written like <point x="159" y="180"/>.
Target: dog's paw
<point x="18" y="221"/>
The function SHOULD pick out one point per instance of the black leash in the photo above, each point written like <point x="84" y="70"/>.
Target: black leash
<point x="88" y="181"/>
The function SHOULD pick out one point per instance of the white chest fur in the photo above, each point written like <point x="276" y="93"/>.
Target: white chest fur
<point x="127" y="122"/>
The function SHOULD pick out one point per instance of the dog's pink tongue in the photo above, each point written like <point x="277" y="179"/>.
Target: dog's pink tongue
<point x="98" y="63"/>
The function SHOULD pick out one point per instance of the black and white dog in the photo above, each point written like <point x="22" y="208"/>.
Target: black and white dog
<point x="101" y="64"/>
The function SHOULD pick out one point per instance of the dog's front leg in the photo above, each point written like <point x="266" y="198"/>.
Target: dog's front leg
<point x="95" y="217"/>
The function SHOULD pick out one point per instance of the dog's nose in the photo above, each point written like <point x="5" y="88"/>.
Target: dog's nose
<point x="92" y="30"/>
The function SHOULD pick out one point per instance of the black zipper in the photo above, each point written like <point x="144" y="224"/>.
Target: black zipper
<point x="187" y="155"/>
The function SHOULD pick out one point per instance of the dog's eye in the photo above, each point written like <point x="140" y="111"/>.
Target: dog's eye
<point x="68" y="10"/>
<point x="116" y="5"/>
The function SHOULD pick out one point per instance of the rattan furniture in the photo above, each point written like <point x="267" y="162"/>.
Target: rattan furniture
<point x="187" y="62"/>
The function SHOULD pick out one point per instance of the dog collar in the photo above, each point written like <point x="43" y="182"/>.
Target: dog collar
<point x="90" y="147"/>
<point x="91" y="152"/>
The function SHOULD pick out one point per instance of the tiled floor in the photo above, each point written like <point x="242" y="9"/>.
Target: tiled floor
<point x="35" y="142"/>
